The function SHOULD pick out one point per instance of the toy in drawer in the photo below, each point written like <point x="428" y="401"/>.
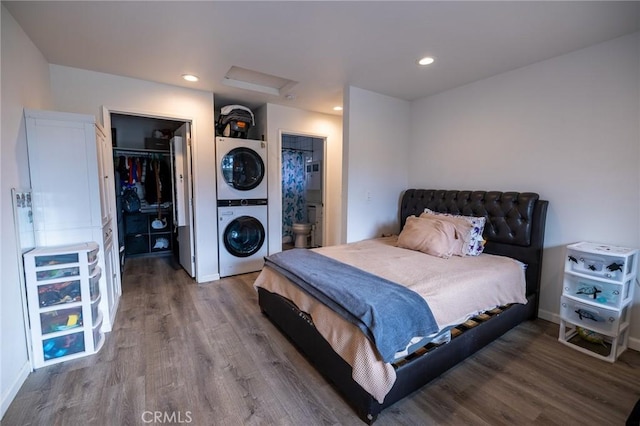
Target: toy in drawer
<point x="59" y="293"/>
<point x="68" y="344"/>
<point x="601" y="292"/>
<point x="61" y="320"/>
<point x="592" y="317"/>
<point x="601" y="261"/>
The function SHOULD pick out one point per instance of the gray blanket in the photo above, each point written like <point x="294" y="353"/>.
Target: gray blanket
<point x="389" y="314"/>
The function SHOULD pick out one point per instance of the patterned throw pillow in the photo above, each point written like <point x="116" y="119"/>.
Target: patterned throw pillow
<point x="476" y="241"/>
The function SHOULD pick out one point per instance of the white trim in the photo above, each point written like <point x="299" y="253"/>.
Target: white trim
<point x="207" y="278"/>
<point x="549" y="316"/>
<point x="106" y="119"/>
<point x="324" y="138"/>
<point x="12" y="391"/>
<point x="634" y="343"/>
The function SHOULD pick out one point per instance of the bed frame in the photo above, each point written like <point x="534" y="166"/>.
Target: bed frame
<point x="515" y="228"/>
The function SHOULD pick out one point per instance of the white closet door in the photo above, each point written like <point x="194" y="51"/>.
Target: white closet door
<point x="183" y="203"/>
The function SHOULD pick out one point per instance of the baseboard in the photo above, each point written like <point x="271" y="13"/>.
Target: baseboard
<point x="12" y="391"/>
<point x="207" y="278"/>
<point x="633" y="343"/>
<point x="549" y="316"/>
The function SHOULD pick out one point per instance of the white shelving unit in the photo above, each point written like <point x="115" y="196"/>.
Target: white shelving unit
<point x="63" y="293"/>
<point x="597" y="297"/>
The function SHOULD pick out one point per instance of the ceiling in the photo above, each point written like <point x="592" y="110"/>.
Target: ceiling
<point x="323" y="46"/>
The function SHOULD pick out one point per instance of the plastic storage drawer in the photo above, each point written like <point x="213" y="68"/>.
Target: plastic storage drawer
<point x="60" y="346"/>
<point x="56" y="259"/>
<point x="601" y="292"/>
<point x="94" y="284"/>
<point x="59" y="293"/>
<point x="61" y="320"/>
<point x="95" y="309"/>
<point x="600" y="261"/>
<point x="52" y="274"/>
<point x="600" y="319"/>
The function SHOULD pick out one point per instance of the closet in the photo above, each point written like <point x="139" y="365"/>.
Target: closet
<point x="147" y="157"/>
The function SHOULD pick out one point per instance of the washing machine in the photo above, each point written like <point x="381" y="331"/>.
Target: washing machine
<point x="242" y="236"/>
<point x="241" y="169"/>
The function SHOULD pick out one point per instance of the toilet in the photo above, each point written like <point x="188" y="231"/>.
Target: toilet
<point x="302" y="231"/>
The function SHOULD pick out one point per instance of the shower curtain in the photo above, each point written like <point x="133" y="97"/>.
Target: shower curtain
<point x="293" y="191"/>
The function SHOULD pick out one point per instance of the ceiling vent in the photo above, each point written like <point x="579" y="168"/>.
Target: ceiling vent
<point x="243" y="78"/>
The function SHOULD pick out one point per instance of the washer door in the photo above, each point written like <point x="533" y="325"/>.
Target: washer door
<point x="244" y="236"/>
<point x="242" y="169"/>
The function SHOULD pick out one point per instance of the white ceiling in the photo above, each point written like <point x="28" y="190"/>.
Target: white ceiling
<point x="321" y="45"/>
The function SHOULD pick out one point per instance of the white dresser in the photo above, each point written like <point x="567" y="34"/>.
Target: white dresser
<point x="597" y="297"/>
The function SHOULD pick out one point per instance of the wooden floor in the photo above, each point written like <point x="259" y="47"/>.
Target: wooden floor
<point x="183" y="353"/>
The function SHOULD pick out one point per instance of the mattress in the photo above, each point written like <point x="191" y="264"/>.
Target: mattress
<point x="456" y="289"/>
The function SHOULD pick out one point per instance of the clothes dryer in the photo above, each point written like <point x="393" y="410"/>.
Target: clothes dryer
<point x="242" y="236"/>
<point x="241" y="169"/>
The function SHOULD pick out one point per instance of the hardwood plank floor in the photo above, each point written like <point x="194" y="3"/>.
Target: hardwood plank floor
<point x="205" y="355"/>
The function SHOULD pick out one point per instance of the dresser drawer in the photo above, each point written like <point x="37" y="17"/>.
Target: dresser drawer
<point x="591" y="317"/>
<point x="602" y="292"/>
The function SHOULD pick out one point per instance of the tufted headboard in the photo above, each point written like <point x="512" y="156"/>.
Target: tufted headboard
<point x="515" y="221"/>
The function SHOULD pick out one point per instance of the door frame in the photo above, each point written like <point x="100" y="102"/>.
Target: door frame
<point x="106" y="123"/>
<point x="324" y="138"/>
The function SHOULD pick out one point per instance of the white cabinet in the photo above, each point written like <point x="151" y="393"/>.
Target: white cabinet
<point x="63" y="294"/>
<point x="597" y="297"/>
<point x="314" y="176"/>
<point x="71" y="170"/>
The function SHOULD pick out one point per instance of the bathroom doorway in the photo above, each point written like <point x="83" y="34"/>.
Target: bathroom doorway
<point x="302" y="190"/>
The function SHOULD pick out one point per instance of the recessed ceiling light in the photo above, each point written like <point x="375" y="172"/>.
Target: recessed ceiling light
<point x="190" y="77"/>
<point x="427" y="60"/>
<point x="337" y="108"/>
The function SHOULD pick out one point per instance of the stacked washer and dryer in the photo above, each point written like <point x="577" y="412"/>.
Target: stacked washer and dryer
<point x="242" y="204"/>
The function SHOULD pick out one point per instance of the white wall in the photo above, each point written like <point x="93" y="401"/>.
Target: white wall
<point x="281" y="119"/>
<point x="376" y="156"/>
<point x="82" y="91"/>
<point x="567" y="128"/>
<point x="25" y="83"/>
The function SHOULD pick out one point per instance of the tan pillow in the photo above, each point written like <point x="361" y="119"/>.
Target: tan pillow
<point x="431" y="236"/>
<point x="463" y="231"/>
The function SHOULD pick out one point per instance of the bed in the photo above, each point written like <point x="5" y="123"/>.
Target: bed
<point x="514" y="228"/>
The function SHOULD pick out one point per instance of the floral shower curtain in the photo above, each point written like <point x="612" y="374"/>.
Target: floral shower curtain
<point x="293" y="191"/>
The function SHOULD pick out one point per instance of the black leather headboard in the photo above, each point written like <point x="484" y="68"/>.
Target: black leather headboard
<point x="515" y="221"/>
